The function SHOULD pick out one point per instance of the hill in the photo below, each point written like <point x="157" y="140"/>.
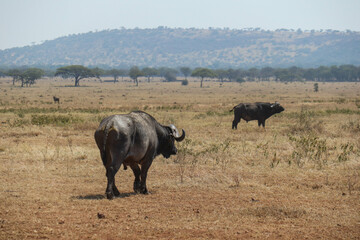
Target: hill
<point x="174" y="47"/>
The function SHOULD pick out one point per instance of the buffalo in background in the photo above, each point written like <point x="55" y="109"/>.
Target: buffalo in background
<point x="259" y="111"/>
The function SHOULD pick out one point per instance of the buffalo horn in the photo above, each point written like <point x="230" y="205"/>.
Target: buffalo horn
<point x="175" y="133"/>
<point x="179" y="139"/>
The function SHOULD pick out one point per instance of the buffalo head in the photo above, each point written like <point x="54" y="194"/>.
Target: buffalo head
<point x="169" y="147"/>
<point x="276" y="108"/>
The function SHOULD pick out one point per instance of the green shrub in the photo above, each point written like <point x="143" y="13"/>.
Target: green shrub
<point x="346" y="149"/>
<point x="18" y="122"/>
<point x="309" y="148"/>
<point x="306" y="123"/>
<point x="59" y="120"/>
<point x="185" y="82"/>
<point x="352" y="126"/>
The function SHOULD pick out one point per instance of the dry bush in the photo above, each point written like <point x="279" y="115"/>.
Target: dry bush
<point x="306" y="123"/>
<point x="352" y="126"/>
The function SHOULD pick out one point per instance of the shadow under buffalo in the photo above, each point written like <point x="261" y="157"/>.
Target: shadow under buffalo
<point x="101" y="196"/>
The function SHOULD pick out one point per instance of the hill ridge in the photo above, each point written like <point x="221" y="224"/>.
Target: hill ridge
<point x="174" y="47"/>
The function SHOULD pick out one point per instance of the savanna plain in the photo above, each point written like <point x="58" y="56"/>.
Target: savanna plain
<point x="299" y="178"/>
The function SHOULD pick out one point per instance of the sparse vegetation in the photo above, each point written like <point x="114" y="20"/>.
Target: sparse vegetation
<point x="309" y="148"/>
<point x="185" y="82"/>
<point x="306" y="122"/>
<point x="302" y="171"/>
<point x="316" y="87"/>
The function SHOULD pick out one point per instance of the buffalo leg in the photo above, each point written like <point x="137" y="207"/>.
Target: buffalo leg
<point x="234" y="125"/>
<point x="111" y="170"/>
<point x="144" y="170"/>
<point x="110" y="174"/>
<point x="137" y="173"/>
<point x="261" y="122"/>
<point x="237" y="117"/>
<point x="115" y="189"/>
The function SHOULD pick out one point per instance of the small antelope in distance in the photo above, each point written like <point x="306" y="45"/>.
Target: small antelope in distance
<point x="56" y="100"/>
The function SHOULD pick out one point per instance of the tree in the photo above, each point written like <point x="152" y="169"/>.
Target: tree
<point x="349" y="73"/>
<point x="97" y="72"/>
<point x="163" y="71"/>
<point x="115" y="73"/>
<point x="27" y="76"/>
<point x="222" y="74"/>
<point x="309" y="74"/>
<point x="149" y="72"/>
<point x="170" y="76"/>
<point x="15" y="74"/>
<point x="323" y="73"/>
<point x="134" y="73"/>
<point x="253" y="73"/>
<point x="231" y="74"/>
<point x="266" y="73"/>
<point x="316" y="87"/>
<point x="203" y="73"/>
<point x="76" y="71"/>
<point x="282" y="75"/>
<point x="186" y="71"/>
<point x="30" y="75"/>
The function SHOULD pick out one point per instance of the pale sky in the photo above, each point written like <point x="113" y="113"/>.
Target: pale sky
<point x="26" y="22"/>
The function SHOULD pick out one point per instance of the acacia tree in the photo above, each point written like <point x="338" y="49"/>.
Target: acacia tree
<point x="221" y="74"/>
<point x="149" y="72"/>
<point x="186" y="71"/>
<point x="76" y="71"/>
<point x="203" y="73"/>
<point x="30" y="75"/>
<point x="115" y="73"/>
<point x="134" y="73"/>
<point x="15" y="74"/>
<point x="98" y="72"/>
<point x="26" y="77"/>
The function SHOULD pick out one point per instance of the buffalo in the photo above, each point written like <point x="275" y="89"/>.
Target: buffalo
<point x="259" y="111"/>
<point x="134" y="140"/>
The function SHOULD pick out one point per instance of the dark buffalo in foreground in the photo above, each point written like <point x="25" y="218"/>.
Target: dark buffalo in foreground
<point x="134" y="140"/>
<point x="259" y="111"/>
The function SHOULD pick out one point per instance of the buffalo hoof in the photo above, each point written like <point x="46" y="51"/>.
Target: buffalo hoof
<point x="116" y="192"/>
<point x="137" y="187"/>
<point x="144" y="191"/>
<point x="137" y="190"/>
<point x="141" y="190"/>
<point x="109" y="195"/>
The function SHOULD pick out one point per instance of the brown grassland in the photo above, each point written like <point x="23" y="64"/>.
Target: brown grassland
<point x="297" y="179"/>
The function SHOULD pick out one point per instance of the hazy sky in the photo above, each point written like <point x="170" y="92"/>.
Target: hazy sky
<point x="26" y="22"/>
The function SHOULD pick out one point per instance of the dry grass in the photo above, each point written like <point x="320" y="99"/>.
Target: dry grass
<point x="299" y="178"/>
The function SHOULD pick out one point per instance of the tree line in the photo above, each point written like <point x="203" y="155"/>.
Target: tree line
<point x="343" y="73"/>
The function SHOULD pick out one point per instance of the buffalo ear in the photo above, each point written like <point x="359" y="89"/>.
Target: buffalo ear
<point x="275" y="104"/>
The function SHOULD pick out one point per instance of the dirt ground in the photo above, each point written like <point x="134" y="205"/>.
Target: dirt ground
<point x="224" y="183"/>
